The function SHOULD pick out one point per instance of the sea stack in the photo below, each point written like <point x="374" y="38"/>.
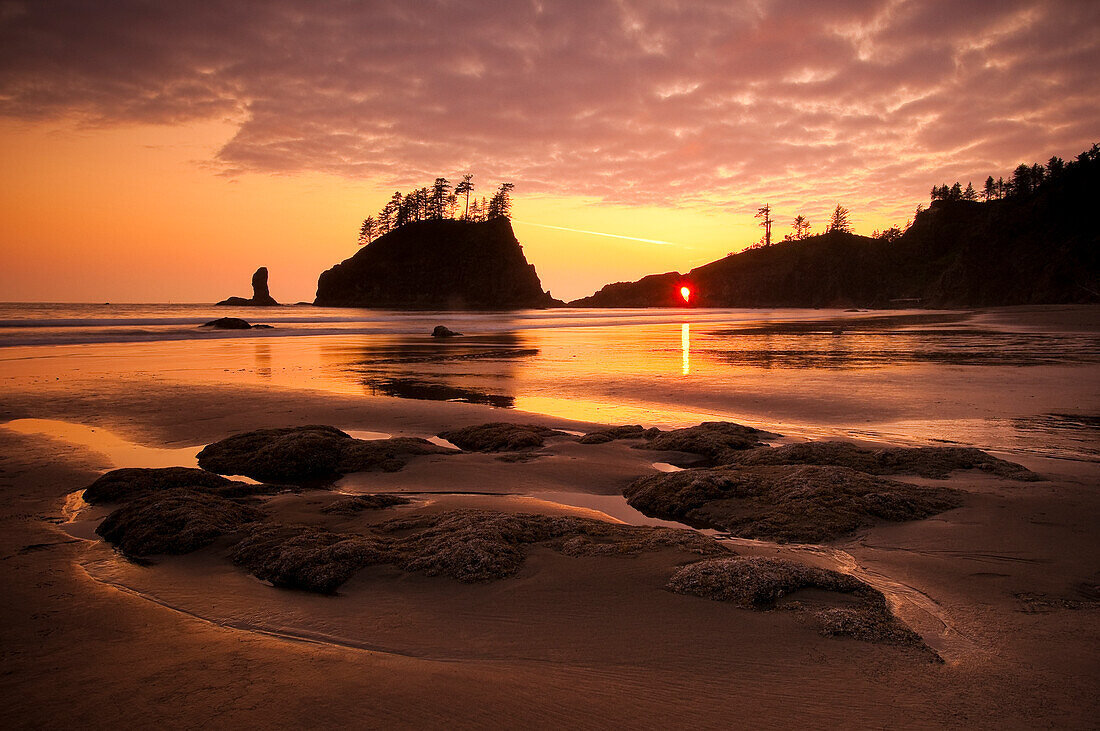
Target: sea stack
<point x="437" y="265"/>
<point x="261" y="297"/>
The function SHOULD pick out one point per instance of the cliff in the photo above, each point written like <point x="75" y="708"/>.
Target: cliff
<point x="1040" y="248"/>
<point x="261" y="297"/>
<point x="442" y="264"/>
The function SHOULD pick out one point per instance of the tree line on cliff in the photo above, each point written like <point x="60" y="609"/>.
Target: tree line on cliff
<point x="438" y="202"/>
<point x="1035" y="243"/>
<point x="1024" y="181"/>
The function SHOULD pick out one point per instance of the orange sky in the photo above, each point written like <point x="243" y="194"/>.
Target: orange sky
<point x="158" y="151"/>
<point x="132" y="214"/>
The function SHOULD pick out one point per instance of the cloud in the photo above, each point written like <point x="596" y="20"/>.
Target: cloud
<point x="634" y="101"/>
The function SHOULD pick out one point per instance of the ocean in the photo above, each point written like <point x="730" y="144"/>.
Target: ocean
<point x="1016" y="380"/>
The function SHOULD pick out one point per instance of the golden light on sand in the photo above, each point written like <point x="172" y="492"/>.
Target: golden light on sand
<point x="685" y="292"/>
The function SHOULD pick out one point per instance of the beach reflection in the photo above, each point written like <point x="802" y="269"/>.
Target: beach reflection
<point x="685" y="347"/>
<point x="263" y="359"/>
<point x="477" y="369"/>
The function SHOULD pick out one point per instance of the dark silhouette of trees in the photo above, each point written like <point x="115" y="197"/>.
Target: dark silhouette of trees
<point x="801" y="226"/>
<point x="479" y="209"/>
<point x="500" y="205"/>
<point x="441" y="190"/>
<point x="765" y="213"/>
<point x="888" y="235"/>
<point x="465" y="188"/>
<point x="1026" y="180"/>
<point x="1021" y="180"/>
<point x="990" y="190"/>
<point x="436" y="203"/>
<point x="368" y="230"/>
<point x="839" y="221"/>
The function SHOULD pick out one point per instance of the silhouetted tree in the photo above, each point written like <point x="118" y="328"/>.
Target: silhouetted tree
<point x="465" y="188"/>
<point x="368" y="230"/>
<point x="500" y="205"/>
<point x="990" y="190"/>
<point x="801" y="226"/>
<point x="1038" y="175"/>
<point x="889" y="235"/>
<point x="970" y="194"/>
<point x="1055" y="166"/>
<point x="956" y="192"/>
<point x="1021" y="180"/>
<point x="441" y="188"/>
<point x="478" y="209"/>
<point x="839" y="220"/>
<point x="423" y="204"/>
<point x="765" y="213"/>
<point x="395" y="218"/>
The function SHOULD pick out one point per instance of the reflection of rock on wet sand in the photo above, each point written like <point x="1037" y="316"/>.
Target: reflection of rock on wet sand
<point x="412" y="388"/>
<point x="435" y="369"/>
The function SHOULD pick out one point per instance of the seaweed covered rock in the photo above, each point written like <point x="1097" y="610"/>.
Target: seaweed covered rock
<point x="309" y="558"/>
<point x="932" y="462"/>
<point x="467" y="545"/>
<point x="805" y="503"/>
<point x="476" y="545"/>
<point x="129" y="482"/>
<point x="762" y="583"/>
<point x="359" y="503"/>
<point x="308" y="453"/>
<point x="756" y="582"/>
<point x="718" y="441"/>
<point x="175" y="520"/>
<point x="386" y="455"/>
<point x="499" y="437"/>
<point x="629" y="431"/>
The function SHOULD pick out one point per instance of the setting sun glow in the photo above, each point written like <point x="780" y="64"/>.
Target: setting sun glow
<point x="685" y="293"/>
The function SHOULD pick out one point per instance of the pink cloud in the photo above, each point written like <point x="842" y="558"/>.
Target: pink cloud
<point x="644" y="101"/>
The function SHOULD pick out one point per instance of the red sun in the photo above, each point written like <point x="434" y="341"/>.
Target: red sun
<point x="685" y="292"/>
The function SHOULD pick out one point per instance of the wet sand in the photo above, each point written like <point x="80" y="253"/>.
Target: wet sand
<point x="1003" y="588"/>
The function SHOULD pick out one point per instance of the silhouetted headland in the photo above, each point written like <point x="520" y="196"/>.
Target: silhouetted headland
<point x="261" y="297"/>
<point x="437" y="264"/>
<point x="1036" y="244"/>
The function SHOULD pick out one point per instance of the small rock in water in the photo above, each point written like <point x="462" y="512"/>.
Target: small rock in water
<point x="441" y="331"/>
<point x="228" y="323"/>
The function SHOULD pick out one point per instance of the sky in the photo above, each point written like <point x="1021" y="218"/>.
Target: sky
<point x="161" y="151"/>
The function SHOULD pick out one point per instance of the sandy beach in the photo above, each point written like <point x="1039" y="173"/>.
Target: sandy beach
<point x="1002" y="589"/>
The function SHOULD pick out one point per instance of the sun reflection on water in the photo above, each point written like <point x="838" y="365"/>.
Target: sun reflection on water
<point x="685" y="347"/>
